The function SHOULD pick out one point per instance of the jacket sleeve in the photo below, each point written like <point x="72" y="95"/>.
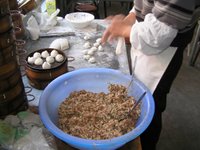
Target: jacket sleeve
<point x="151" y="36"/>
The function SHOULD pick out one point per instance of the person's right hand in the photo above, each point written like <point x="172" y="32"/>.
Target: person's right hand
<point x="120" y="27"/>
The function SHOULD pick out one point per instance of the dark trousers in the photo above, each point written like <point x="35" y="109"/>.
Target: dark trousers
<point x="151" y="135"/>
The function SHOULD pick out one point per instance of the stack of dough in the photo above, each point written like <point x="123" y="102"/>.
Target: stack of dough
<point x="91" y="49"/>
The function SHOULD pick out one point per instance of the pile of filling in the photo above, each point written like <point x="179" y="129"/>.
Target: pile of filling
<point x="98" y="116"/>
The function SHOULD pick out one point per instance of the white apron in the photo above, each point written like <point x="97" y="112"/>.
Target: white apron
<point x="150" y="68"/>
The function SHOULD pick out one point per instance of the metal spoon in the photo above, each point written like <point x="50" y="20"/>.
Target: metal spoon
<point x="132" y="76"/>
<point x="134" y="106"/>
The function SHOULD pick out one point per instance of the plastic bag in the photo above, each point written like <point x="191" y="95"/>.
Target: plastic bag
<point x="25" y="131"/>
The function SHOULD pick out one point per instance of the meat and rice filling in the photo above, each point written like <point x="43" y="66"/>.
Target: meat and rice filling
<point x="98" y="115"/>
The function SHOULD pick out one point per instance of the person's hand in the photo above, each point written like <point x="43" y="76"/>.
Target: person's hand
<point x="120" y="27"/>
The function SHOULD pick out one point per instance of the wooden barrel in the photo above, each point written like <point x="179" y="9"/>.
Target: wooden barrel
<point x="12" y="92"/>
<point x="7" y="39"/>
<point x="4" y="8"/>
<point x="6" y="23"/>
<point x="39" y="78"/>
<point x="8" y="69"/>
<point x="14" y="106"/>
<point x="10" y="82"/>
<point x="8" y="54"/>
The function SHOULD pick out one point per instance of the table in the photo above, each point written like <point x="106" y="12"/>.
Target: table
<point x="107" y="59"/>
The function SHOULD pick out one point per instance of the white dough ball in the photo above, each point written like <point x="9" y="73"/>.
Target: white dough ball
<point x="87" y="45"/>
<point x="94" y="48"/>
<point x="46" y="65"/>
<point x="50" y="59"/>
<point x="86" y="57"/>
<point x="59" y="58"/>
<point x="98" y="40"/>
<point x="36" y="55"/>
<point x="87" y="37"/>
<point x="38" y="61"/>
<point x="61" y="44"/>
<point x="96" y="44"/>
<point x="91" y="52"/>
<point x="44" y="54"/>
<point x="55" y="44"/>
<point x="100" y="48"/>
<point x="85" y="51"/>
<point x="54" y="53"/>
<point x="92" y="60"/>
<point x="31" y="60"/>
<point x="64" y="44"/>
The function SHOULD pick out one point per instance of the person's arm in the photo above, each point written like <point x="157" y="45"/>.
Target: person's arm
<point x="120" y="27"/>
<point x="151" y="36"/>
<point x="160" y="27"/>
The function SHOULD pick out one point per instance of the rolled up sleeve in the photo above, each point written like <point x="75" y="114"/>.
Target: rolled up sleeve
<point x="151" y="36"/>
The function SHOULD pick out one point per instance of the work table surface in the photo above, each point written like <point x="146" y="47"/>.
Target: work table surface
<point x="107" y="59"/>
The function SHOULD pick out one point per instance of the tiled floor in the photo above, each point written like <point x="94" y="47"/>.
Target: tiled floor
<point x="181" y="120"/>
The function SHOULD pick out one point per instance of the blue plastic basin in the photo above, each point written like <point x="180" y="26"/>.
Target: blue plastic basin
<point x="95" y="80"/>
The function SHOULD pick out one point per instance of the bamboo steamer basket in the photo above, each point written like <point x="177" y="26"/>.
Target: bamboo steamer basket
<point x="7" y="39"/>
<point x="39" y="78"/>
<point x="6" y="23"/>
<point x="8" y="69"/>
<point x="4" y="8"/>
<point x="13" y="100"/>
<point x="12" y="92"/>
<point x="14" y="106"/>
<point x="11" y="81"/>
<point x="7" y="54"/>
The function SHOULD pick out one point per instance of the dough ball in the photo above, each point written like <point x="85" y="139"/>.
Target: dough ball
<point x="94" y="48"/>
<point x="86" y="57"/>
<point x="38" y="61"/>
<point x="85" y="51"/>
<point x="87" y="37"/>
<point x="46" y="65"/>
<point x="61" y="44"/>
<point x="44" y="54"/>
<point x="96" y="44"/>
<point x="92" y="60"/>
<point x="59" y="58"/>
<point x="54" y="53"/>
<point x="64" y="44"/>
<point x="31" y="60"/>
<point x="100" y="48"/>
<point x="55" y="44"/>
<point x="87" y="45"/>
<point x="91" y="52"/>
<point x="36" y="55"/>
<point x="98" y="40"/>
<point x="50" y="59"/>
